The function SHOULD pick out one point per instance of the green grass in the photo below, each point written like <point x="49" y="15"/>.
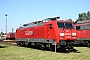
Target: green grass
<point x="21" y="53"/>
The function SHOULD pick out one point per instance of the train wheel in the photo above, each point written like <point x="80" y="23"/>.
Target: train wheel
<point x="67" y="50"/>
<point x="19" y="44"/>
<point x="89" y="44"/>
<point x="26" y="44"/>
<point x="50" y="48"/>
<point x="41" y="47"/>
<point x="37" y="44"/>
<point x="22" y="44"/>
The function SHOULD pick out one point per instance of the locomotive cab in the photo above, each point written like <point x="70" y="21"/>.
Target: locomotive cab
<point x="62" y="32"/>
<point x="66" y="30"/>
<point x="65" y="34"/>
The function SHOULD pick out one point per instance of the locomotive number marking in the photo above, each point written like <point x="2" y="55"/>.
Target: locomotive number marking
<point x="68" y="36"/>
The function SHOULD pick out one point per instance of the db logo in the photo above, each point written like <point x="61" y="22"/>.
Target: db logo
<point x="28" y="32"/>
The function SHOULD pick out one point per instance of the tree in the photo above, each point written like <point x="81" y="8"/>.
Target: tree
<point x="70" y="19"/>
<point x="2" y="33"/>
<point x="83" y="16"/>
<point x="88" y="15"/>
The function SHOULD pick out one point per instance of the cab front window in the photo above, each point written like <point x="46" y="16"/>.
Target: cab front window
<point x="68" y="25"/>
<point x="64" y="25"/>
<point x="60" y="25"/>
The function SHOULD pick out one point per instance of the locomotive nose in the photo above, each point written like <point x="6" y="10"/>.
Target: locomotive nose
<point x="68" y="34"/>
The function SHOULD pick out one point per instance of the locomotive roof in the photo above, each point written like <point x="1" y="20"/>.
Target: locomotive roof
<point x="82" y="24"/>
<point x="47" y="20"/>
<point x="84" y="21"/>
<point x="44" y="21"/>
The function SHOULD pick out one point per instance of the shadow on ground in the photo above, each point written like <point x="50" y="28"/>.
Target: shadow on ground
<point x="45" y="49"/>
<point x="3" y="46"/>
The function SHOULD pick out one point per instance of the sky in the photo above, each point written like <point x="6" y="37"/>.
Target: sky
<point x="25" y="11"/>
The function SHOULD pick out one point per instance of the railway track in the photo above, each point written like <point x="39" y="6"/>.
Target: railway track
<point x="9" y="42"/>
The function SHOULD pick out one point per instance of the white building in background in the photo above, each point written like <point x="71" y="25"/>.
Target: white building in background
<point x="3" y="37"/>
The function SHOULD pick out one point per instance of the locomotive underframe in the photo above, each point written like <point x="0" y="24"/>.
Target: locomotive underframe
<point x="83" y="42"/>
<point x="50" y="44"/>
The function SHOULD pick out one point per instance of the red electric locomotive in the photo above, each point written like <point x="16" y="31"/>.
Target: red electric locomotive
<point x="48" y="33"/>
<point x="10" y="35"/>
<point x="83" y="33"/>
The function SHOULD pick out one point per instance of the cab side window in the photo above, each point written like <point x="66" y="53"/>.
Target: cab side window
<point x="50" y="26"/>
<point x="77" y="27"/>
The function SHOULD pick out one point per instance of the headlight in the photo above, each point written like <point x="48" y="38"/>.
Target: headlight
<point x="74" y="34"/>
<point x="61" y="34"/>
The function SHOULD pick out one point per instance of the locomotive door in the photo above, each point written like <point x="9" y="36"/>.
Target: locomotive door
<point x="48" y="29"/>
